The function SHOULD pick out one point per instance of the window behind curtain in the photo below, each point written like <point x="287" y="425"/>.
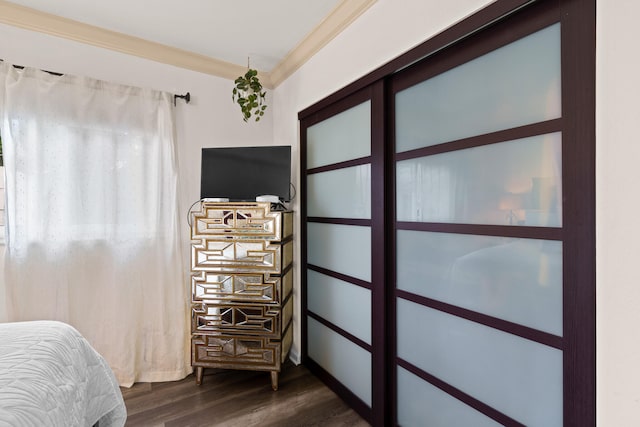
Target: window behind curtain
<point x="92" y="219"/>
<point x="106" y="183"/>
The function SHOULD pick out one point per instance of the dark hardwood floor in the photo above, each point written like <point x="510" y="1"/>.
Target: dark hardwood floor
<point x="239" y="398"/>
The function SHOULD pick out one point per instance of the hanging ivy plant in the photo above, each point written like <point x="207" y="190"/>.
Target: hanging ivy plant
<point x="249" y="95"/>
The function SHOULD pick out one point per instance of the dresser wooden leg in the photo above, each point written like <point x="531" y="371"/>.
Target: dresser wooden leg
<point x="199" y="372"/>
<point x="274" y="380"/>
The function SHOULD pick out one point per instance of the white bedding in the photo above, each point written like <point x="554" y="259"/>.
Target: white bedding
<point x="51" y="376"/>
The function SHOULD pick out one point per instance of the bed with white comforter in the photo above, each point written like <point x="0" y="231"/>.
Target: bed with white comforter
<point x="51" y="376"/>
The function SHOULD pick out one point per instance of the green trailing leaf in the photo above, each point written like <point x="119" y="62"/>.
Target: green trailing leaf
<point x="248" y="93"/>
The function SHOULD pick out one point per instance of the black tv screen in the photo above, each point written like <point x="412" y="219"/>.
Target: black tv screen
<point x="243" y="173"/>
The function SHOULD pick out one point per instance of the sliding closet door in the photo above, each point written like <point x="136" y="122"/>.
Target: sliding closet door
<point x="343" y="273"/>
<point x="479" y="231"/>
<point x="448" y="209"/>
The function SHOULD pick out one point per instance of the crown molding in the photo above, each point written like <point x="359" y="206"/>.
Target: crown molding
<point x="338" y="19"/>
<point x="34" y="20"/>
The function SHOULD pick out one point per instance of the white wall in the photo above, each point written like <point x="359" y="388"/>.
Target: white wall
<point x="392" y="27"/>
<point x="617" y="231"/>
<point x="211" y="119"/>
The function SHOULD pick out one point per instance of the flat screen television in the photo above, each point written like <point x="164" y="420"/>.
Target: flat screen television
<point x="243" y="173"/>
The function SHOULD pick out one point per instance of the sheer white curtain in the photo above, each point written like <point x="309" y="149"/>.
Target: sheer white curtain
<point x="93" y="237"/>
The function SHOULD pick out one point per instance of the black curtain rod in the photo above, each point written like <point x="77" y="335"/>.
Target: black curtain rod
<point x="186" y="96"/>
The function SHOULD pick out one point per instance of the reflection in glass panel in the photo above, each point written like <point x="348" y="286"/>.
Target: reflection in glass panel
<point x="518" y="377"/>
<point x="510" y="183"/>
<point x="421" y="404"/>
<point x="341" y="248"/>
<point x="345" y="305"/>
<point x="515" y="85"/>
<point x="519" y="280"/>
<point x="345" y="136"/>
<point x="347" y="362"/>
<point x="341" y="193"/>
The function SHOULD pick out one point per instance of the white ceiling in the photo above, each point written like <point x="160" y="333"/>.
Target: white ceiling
<point x="231" y="31"/>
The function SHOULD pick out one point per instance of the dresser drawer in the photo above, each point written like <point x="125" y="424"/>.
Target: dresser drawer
<point x="241" y="288"/>
<point x="241" y="220"/>
<point x="241" y="256"/>
<point x="233" y="352"/>
<point x="258" y="319"/>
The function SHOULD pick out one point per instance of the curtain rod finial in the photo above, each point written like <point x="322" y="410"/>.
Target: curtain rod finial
<point x="186" y="97"/>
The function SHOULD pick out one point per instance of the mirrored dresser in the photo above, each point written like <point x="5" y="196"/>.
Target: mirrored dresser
<point x="241" y="287"/>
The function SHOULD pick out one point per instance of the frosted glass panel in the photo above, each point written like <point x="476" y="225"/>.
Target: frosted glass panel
<point x="345" y="136"/>
<point x="347" y="362"/>
<point x="345" y="305"/>
<point x="519" y="280"/>
<point x="510" y="183"/>
<point x="421" y="404"/>
<point x="515" y="85"/>
<point x="518" y="377"/>
<point x="344" y="249"/>
<point x="342" y="193"/>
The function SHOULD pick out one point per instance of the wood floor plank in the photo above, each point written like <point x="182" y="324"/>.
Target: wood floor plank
<point x="239" y="398"/>
<point x="169" y="393"/>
